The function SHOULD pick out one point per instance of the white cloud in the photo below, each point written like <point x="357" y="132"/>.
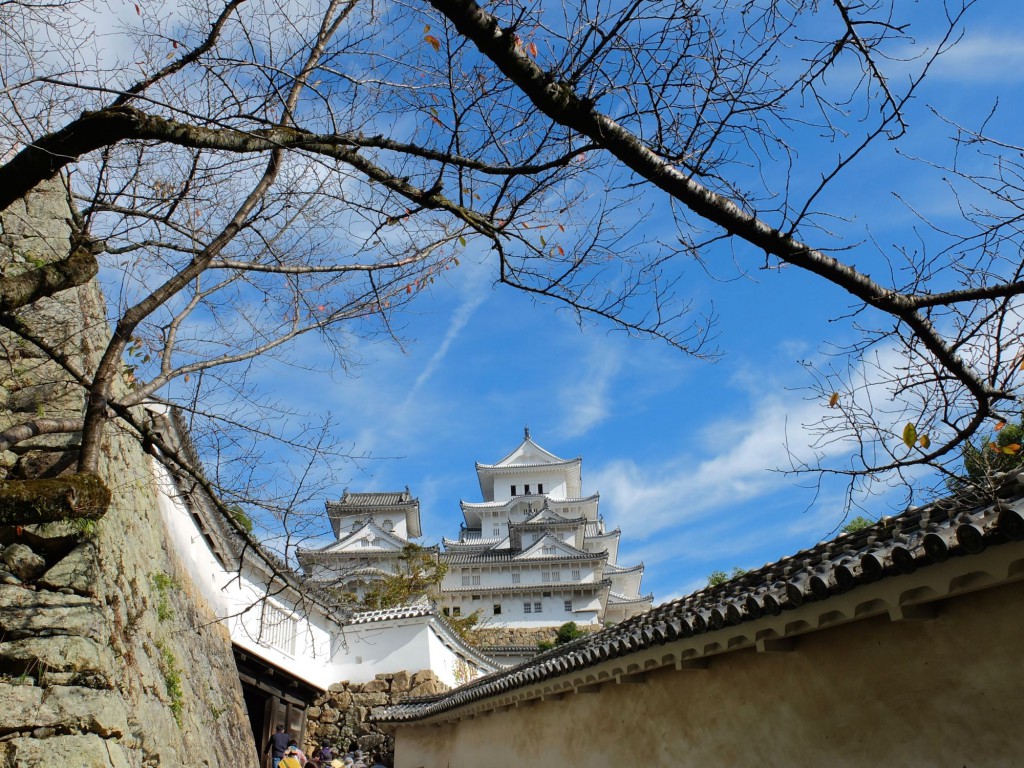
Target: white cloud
<point x="460" y="317"/>
<point x="586" y="395"/>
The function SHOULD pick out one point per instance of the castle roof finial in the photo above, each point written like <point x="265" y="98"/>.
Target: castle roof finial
<point x="526" y="433"/>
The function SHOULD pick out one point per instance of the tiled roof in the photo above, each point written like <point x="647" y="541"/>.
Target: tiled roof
<point x="509" y="502"/>
<point x="612" y="568"/>
<point x="615" y="597"/>
<point x="503" y="555"/>
<point x="375" y="499"/>
<point x="545" y="586"/>
<point x="893" y="548"/>
<point x="389" y="614"/>
<point x="551" y="520"/>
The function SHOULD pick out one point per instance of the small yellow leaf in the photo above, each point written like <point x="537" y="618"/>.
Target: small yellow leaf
<point x="434" y="42"/>
<point x="909" y="435"/>
<point x="832" y="401"/>
<point x="1011" y="449"/>
<point x="926" y="442"/>
<point x="462" y="242"/>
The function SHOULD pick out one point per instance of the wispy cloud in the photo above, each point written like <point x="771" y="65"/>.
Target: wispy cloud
<point x="458" y="322"/>
<point x="586" y="397"/>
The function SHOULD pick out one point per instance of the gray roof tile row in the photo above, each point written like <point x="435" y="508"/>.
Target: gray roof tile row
<point x="957" y="527"/>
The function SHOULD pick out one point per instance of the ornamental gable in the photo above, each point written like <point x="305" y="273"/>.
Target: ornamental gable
<point x="375" y="536"/>
<point x="549" y="546"/>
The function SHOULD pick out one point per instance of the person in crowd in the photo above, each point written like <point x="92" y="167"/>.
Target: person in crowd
<point x="276" y="746"/>
<point x="324" y="754"/>
<point x="293" y="744"/>
<point x="290" y="759"/>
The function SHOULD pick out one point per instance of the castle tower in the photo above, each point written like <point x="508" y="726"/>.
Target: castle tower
<point x="535" y="551"/>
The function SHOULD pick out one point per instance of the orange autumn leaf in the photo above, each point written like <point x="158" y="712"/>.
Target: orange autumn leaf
<point x="834" y="400"/>
<point x="434" y="42"/>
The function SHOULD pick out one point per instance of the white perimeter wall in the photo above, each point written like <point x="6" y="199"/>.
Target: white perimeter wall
<point x="264" y="620"/>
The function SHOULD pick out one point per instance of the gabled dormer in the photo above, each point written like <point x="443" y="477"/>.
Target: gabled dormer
<point x="369" y="537"/>
<point x="529" y="470"/>
<point x="548" y="546"/>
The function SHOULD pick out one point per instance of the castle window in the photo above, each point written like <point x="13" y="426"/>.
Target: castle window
<point x="389" y="526"/>
<point x="497" y="530"/>
<point x="465" y="580"/>
<point x="556" y="575"/>
<point x="515" y="577"/>
<point x="536" y="607"/>
<point x="526" y="489"/>
<point x="456" y="611"/>
<point x="277" y="629"/>
<point x="568" y="606"/>
<point x="547" y="550"/>
<point x="513" y="490"/>
<point x="540" y="487"/>
<point x="527" y="607"/>
<point x="496" y="609"/>
<point x="576" y="574"/>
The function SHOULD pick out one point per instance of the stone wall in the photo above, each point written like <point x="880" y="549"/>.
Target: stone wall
<point x="107" y="657"/>
<point x="341" y="714"/>
<point x="488" y="637"/>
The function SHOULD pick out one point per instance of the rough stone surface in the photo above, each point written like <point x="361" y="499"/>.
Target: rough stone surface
<point x="23" y="562"/>
<point x="342" y="713"/>
<point x="78" y="571"/>
<point x="90" y="674"/>
<point x="489" y="637"/>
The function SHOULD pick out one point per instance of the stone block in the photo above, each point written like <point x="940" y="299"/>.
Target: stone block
<point x="423" y="676"/>
<point x="428" y="688"/>
<point x="85" y="750"/>
<point x="78" y="571"/>
<point x="77" y="657"/>
<point x="342" y="700"/>
<point x="329" y="716"/>
<point x="373" y="699"/>
<point x="375" y="686"/>
<point x="23" y="562"/>
<point x="19" y="704"/>
<point x="401" y="682"/>
<point x="85" y="709"/>
<point x="26" y="614"/>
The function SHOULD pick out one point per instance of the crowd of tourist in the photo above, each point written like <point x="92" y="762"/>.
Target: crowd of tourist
<point x="285" y="752"/>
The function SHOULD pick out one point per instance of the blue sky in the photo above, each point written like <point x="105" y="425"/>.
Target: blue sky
<point x="683" y="452"/>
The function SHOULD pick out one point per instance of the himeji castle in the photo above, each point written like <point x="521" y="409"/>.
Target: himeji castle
<point x="534" y="553"/>
<point x="372" y="530"/>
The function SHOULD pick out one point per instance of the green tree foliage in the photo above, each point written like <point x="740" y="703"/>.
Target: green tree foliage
<point x="1001" y="452"/>
<point x="420" y="576"/>
<point x="565" y="634"/>
<point x="859" y="523"/>
<point x="717" y="578"/>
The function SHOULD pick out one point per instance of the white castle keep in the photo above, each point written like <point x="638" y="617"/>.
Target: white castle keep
<point x="533" y="553"/>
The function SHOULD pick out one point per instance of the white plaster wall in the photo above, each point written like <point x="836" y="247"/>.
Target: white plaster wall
<point x="324" y="651"/>
<point x="943" y="692"/>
